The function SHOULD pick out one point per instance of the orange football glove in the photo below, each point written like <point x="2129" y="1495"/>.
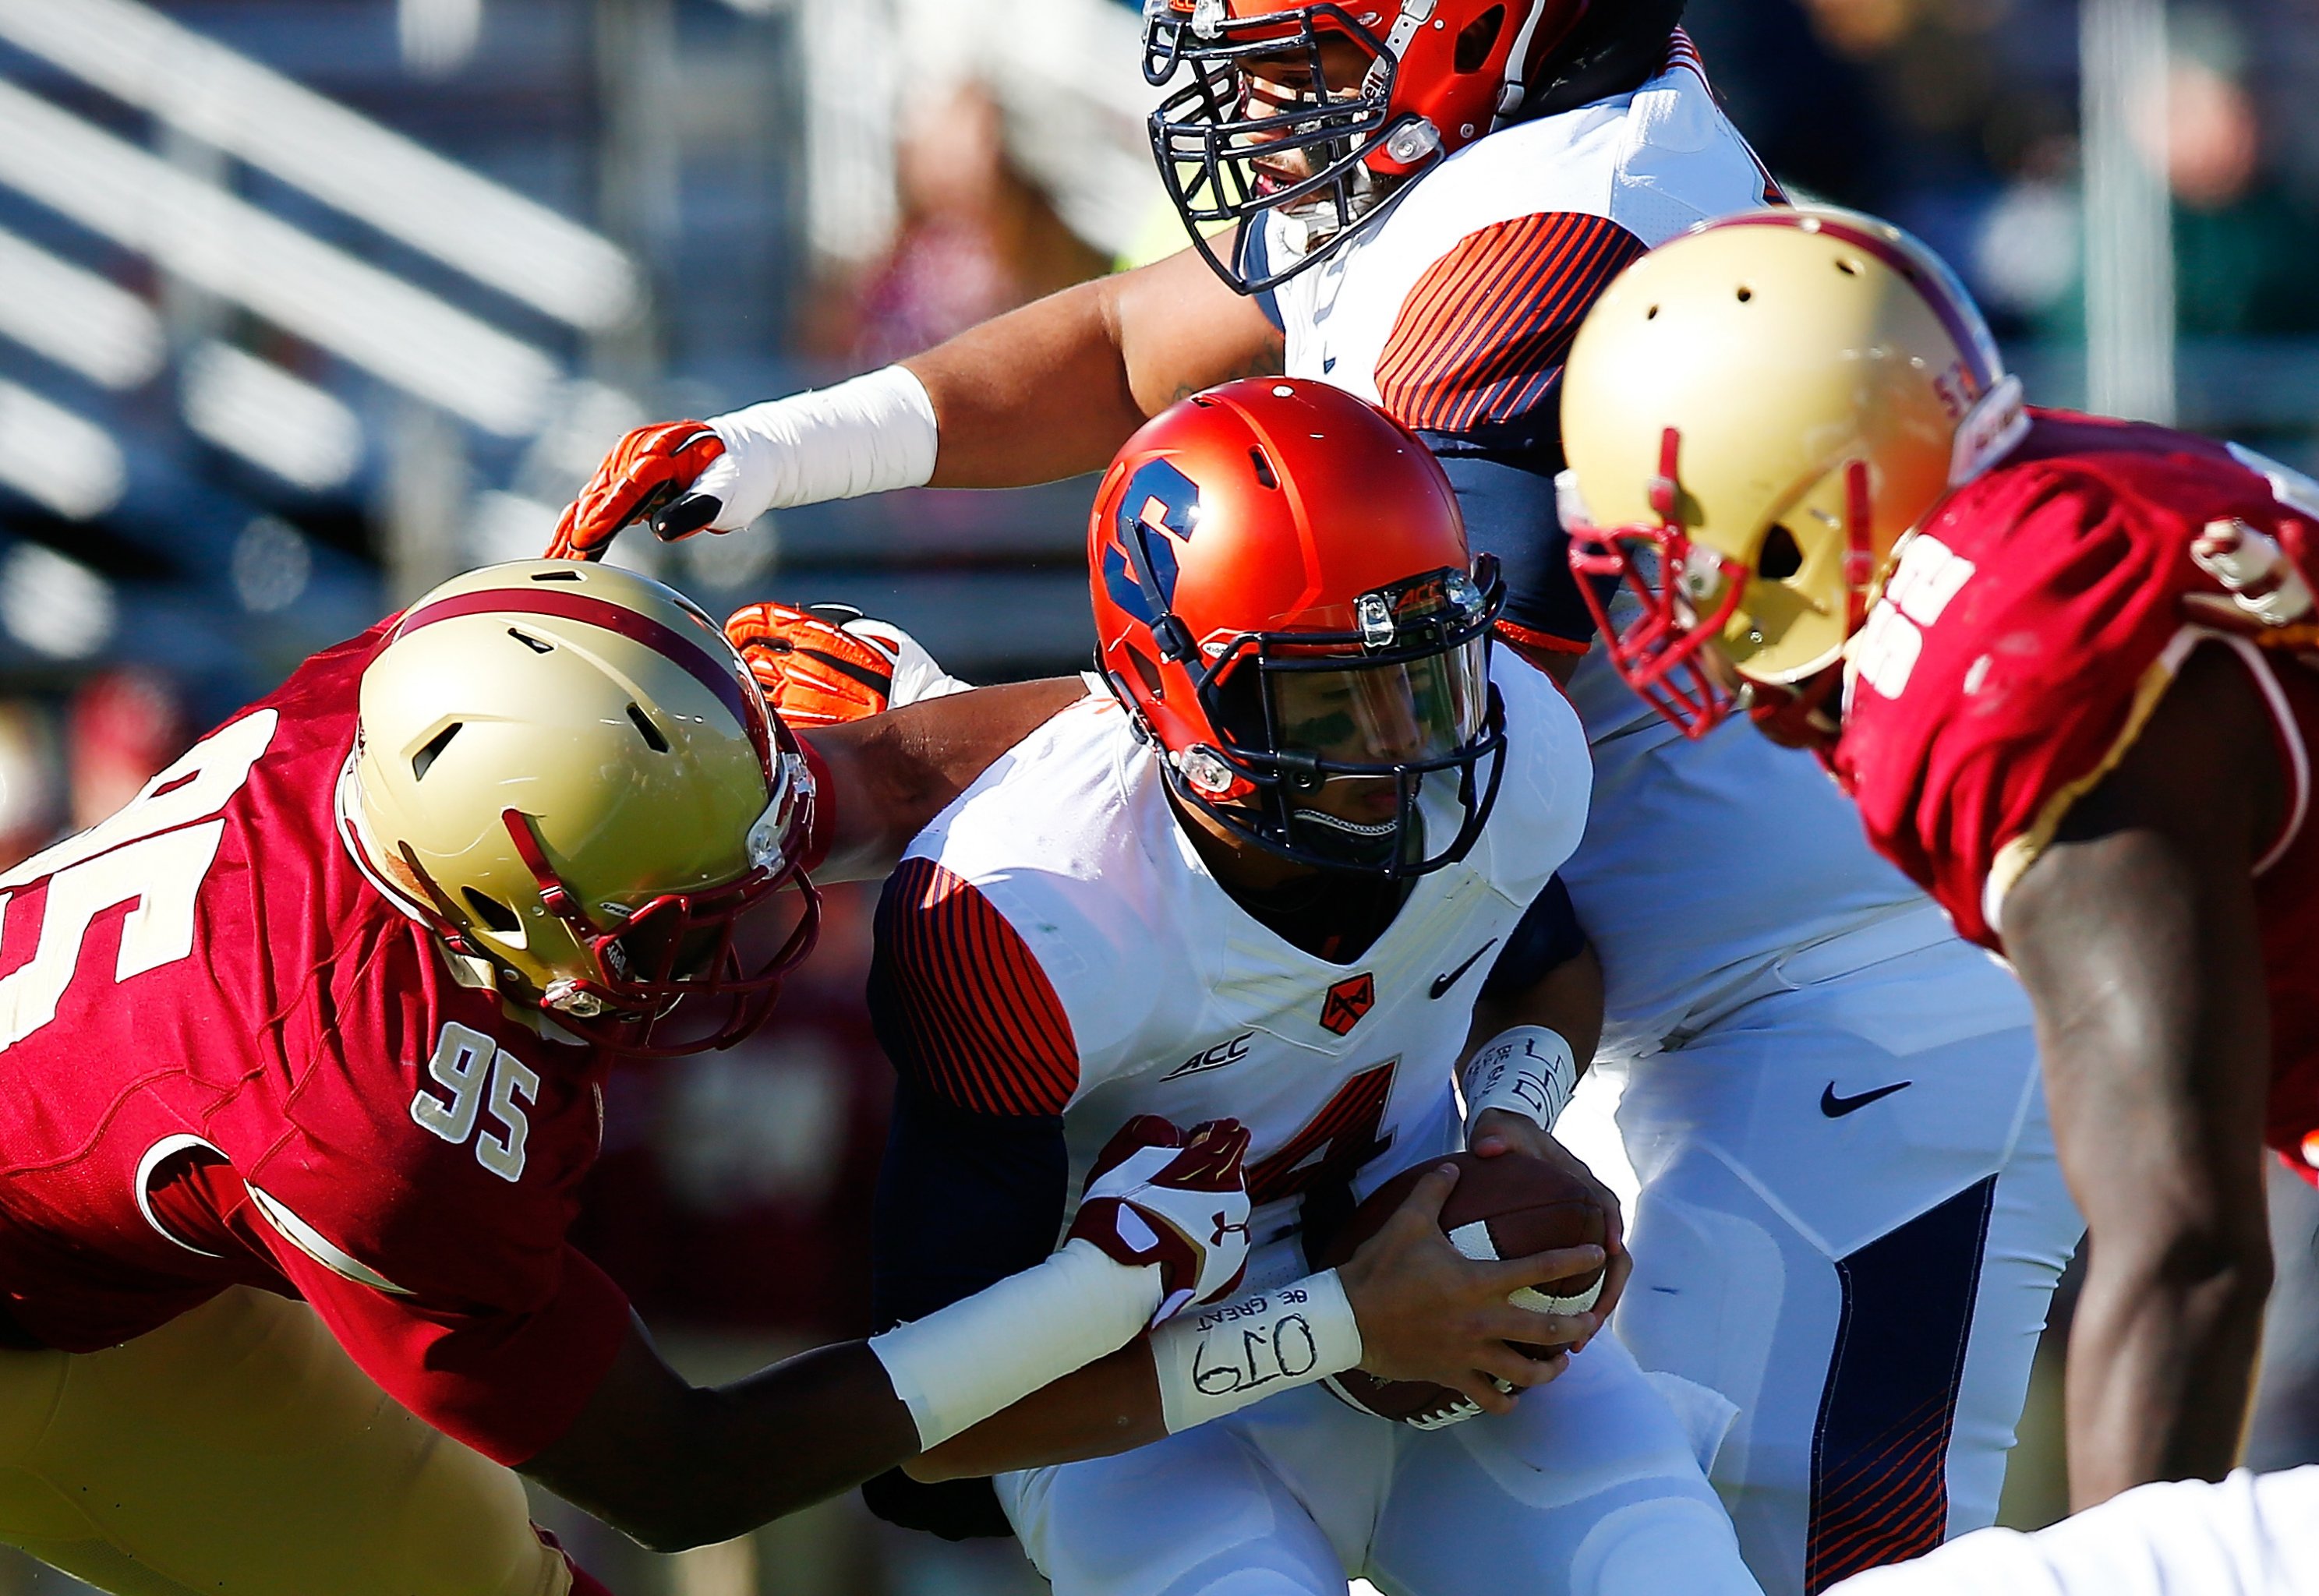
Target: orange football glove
<point x="813" y="672"/>
<point x="645" y="473"/>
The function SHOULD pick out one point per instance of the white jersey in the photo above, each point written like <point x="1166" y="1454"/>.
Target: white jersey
<point x="2252" y="1534"/>
<point x="1704" y="865"/>
<point x="1058" y="912"/>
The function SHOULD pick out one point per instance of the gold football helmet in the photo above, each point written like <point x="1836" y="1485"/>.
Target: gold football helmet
<point x="1753" y="414"/>
<point x="571" y="774"/>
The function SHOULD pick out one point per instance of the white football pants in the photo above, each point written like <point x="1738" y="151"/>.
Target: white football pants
<point x="2253" y="1535"/>
<point x="1591" y="1487"/>
<point x="1851" y="1222"/>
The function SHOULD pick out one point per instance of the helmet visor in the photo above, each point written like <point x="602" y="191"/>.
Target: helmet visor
<point x="1349" y="738"/>
<point x="1348" y="715"/>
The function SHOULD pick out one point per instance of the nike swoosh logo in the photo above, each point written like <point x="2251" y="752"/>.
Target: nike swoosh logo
<point x="1837" y="1107"/>
<point x="1442" y="983"/>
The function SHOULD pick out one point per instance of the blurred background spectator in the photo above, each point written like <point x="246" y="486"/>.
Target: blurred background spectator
<point x="307" y="304"/>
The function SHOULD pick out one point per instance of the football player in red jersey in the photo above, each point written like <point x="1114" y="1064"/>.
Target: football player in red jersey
<point x="2064" y="665"/>
<point x="301" y="1067"/>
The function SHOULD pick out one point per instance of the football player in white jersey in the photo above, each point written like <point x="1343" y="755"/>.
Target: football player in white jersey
<point x="1261" y="873"/>
<point x="2249" y="1535"/>
<point x="1851" y="1219"/>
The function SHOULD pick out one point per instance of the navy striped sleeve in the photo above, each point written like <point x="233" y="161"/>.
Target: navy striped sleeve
<point x="960" y="1002"/>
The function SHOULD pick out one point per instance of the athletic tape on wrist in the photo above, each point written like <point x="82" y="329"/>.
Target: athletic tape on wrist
<point x="957" y="1367"/>
<point x="1528" y="1069"/>
<point x="1214" y="1361"/>
<point x="869" y="435"/>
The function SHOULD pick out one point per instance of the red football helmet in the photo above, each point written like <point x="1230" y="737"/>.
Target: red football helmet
<point x="1435" y="76"/>
<point x="1284" y="603"/>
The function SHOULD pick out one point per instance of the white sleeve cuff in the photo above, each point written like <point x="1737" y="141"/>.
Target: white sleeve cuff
<point x="957" y="1367"/>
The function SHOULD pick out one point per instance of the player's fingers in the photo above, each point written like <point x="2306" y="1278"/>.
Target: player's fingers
<point x="1482" y="1393"/>
<point x="1503" y="1362"/>
<point x="1558" y="1262"/>
<point x="1427" y="1198"/>
<point x="1614" y="1287"/>
<point x="1223" y="1135"/>
<point x="571" y="541"/>
<point x="720" y="480"/>
<point x="1526" y="1326"/>
<point x="687" y="515"/>
<point x="1214" y="1151"/>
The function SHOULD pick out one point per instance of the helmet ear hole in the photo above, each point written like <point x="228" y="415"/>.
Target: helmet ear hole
<point x="494" y="915"/>
<point x="1781" y="557"/>
<point x="424" y="760"/>
<point x="1146" y="672"/>
<point x="653" y="736"/>
<point x="1476" y="38"/>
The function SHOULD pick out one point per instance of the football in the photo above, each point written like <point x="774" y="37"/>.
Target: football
<point x="1503" y="1207"/>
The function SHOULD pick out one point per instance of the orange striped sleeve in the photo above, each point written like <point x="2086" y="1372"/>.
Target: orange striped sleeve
<point x="1482" y="337"/>
<point x="961" y="1003"/>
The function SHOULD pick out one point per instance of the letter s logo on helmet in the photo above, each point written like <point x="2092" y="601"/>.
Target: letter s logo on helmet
<point x="566" y="771"/>
<point x="1285" y="603"/>
<point x="1305" y="108"/>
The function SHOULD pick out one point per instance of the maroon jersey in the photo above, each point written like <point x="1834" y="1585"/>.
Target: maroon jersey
<point x="227" y="1056"/>
<point x="2028" y="629"/>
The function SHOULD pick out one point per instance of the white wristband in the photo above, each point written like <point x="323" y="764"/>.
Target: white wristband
<point x="1528" y="1070"/>
<point x="869" y="435"/>
<point x="957" y="1367"/>
<point x="1215" y="1360"/>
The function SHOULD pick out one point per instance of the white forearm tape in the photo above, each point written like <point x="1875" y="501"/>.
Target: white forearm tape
<point x="867" y="436"/>
<point x="1212" y="1361"/>
<point x="1528" y="1070"/>
<point x="957" y="1367"/>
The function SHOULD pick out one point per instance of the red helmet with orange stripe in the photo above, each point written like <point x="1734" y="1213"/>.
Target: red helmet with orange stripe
<point x="566" y="771"/>
<point x="1285" y="601"/>
<point x="1303" y="107"/>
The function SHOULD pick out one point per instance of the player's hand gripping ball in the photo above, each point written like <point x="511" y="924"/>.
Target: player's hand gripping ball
<point x="1159" y="1197"/>
<point x="1504" y="1207"/>
<point x="829" y="665"/>
<point x="644" y="475"/>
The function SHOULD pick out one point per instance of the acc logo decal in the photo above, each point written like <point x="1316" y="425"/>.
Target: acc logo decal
<point x="1214" y="1057"/>
<point x="1347" y="1002"/>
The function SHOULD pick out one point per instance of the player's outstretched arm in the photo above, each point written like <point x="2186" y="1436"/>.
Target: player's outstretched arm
<point x="1424" y="1311"/>
<point x="1045" y="391"/>
<point x="1163" y="1223"/>
<point x="675" y="1466"/>
<point x="892" y="773"/>
<point x="2135" y="935"/>
<point x="1053" y="389"/>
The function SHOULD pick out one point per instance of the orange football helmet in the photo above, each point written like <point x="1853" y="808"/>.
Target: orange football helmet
<point x="1437" y="75"/>
<point x="1284" y="600"/>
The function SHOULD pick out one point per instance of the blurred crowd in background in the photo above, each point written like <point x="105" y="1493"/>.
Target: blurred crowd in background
<point x="307" y="304"/>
